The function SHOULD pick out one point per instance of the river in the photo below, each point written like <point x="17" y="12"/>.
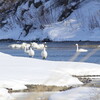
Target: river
<point x="60" y="51"/>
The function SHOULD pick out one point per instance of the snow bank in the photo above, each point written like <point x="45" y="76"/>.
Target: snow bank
<point x="81" y="93"/>
<point x="17" y="71"/>
<point x="4" y="95"/>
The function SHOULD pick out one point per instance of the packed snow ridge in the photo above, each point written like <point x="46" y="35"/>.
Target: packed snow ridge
<point x="83" y="23"/>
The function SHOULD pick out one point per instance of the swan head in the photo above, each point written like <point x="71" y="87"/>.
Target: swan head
<point x="76" y="44"/>
<point x="45" y="44"/>
<point x="24" y="44"/>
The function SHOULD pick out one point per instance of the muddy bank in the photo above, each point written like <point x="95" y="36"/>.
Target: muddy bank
<point x="41" y="88"/>
<point x="88" y="80"/>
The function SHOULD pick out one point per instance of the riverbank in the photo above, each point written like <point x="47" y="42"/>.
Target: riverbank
<point x="41" y="92"/>
<point x="88" y="81"/>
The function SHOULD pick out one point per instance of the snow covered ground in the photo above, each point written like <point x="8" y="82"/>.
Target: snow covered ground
<point x="16" y="72"/>
<point x="81" y="93"/>
<point x="23" y="70"/>
<point x="4" y="95"/>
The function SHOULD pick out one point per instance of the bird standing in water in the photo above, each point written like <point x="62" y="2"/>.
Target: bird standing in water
<point x="29" y="51"/>
<point x="44" y="53"/>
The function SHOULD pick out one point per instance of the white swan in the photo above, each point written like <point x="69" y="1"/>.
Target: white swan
<point x="23" y="45"/>
<point x="80" y="50"/>
<point x="26" y="50"/>
<point x="15" y="46"/>
<point x="44" y="53"/>
<point x="41" y="46"/>
<point x="31" y="52"/>
<point x="38" y="46"/>
<point x="34" y="45"/>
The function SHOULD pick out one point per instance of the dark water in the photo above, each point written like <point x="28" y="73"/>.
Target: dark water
<point x="60" y="51"/>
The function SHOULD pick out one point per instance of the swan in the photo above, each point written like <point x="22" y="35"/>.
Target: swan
<point x="38" y="46"/>
<point x="80" y="50"/>
<point x="15" y="46"/>
<point x="26" y="50"/>
<point x="25" y="45"/>
<point x="41" y="46"/>
<point x="34" y="45"/>
<point x="12" y="46"/>
<point x="44" y="53"/>
<point x="31" y="52"/>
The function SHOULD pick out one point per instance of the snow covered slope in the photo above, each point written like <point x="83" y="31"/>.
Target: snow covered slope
<point x="83" y="24"/>
<point x="47" y="19"/>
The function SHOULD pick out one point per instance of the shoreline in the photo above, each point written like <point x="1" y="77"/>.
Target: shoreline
<point x="12" y="40"/>
<point x="41" y="88"/>
<point x="87" y="82"/>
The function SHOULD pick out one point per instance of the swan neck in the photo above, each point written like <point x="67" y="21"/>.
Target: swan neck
<point x="25" y="49"/>
<point x="44" y="49"/>
<point x="31" y="49"/>
<point x="77" y="47"/>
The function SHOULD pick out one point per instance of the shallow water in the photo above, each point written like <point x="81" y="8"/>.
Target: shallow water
<point x="32" y="95"/>
<point x="61" y="51"/>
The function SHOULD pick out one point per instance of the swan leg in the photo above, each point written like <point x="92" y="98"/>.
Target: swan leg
<point x="30" y="56"/>
<point x="43" y="58"/>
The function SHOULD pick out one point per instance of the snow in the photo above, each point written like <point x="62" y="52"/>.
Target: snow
<point x="15" y="72"/>
<point x="4" y="95"/>
<point x="18" y="71"/>
<point x="79" y="25"/>
<point x="11" y="32"/>
<point x="83" y="24"/>
<point x="32" y="71"/>
<point x="81" y="93"/>
<point x="12" y="84"/>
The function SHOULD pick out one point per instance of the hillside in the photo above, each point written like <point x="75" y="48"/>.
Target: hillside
<point x="55" y="20"/>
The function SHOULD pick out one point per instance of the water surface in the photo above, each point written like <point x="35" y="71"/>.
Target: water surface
<point x="60" y="51"/>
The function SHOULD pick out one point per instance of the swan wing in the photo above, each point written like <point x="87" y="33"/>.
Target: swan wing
<point x="83" y="50"/>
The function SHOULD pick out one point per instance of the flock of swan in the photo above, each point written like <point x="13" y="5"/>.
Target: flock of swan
<point x="30" y="47"/>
